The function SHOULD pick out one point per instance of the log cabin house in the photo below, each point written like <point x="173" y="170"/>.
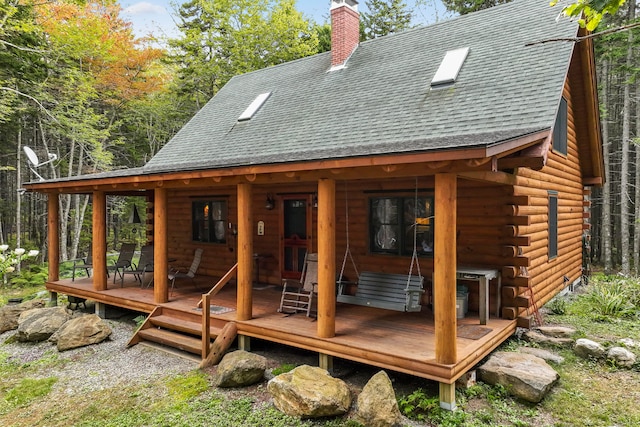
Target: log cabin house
<point x="462" y="152"/>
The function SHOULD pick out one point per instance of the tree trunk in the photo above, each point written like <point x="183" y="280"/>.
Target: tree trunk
<point x="626" y="142"/>
<point x="636" y="222"/>
<point x="606" y="188"/>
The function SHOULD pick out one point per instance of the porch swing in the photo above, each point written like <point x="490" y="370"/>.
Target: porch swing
<point x="397" y="292"/>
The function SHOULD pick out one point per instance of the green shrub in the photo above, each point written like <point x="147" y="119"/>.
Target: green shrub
<point x="418" y="405"/>
<point x="610" y="298"/>
<point x="557" y="306"/>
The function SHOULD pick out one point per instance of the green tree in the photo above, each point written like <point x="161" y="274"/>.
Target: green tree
<point x="384" y="17"/>
<point x="224" y="38"/>
<point x="323" y="32"/>
<point x="467" y="6"/>
<point x="591" y="12"/>
<point x="21" y="58"/>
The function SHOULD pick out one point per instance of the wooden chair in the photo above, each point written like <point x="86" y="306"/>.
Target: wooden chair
<point x="297" y="295"/>
<point x="144" y="265"/>
<point x="123" y="262"/>
<point x="176" y="274"/>
<point x="85" y="263"/>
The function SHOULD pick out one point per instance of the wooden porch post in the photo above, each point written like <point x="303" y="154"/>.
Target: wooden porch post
<point x="245" y="252"/>
<point x="99" y="245"/>
<point x="53" y="235"/>
<point x="445" y="279"/>
<point x="326" y="258"/>
<point x="160" y="263"/>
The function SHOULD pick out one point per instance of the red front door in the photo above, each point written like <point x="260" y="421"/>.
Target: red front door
<point x="295" y="234"/>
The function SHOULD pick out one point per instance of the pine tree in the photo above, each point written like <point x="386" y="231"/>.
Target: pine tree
<point x="383" y="18"/>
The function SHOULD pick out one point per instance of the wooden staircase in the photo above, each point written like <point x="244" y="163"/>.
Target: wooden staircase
<point x="177" y="329"/>
<point x="190" y="332"/>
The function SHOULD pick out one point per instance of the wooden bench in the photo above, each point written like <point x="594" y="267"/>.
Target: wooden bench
<point x="384" y="290"/>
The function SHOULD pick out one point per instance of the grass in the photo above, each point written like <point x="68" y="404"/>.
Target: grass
<point x="590" y="393"/>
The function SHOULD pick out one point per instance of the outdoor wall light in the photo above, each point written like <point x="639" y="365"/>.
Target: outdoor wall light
<point x="270" y="202"/>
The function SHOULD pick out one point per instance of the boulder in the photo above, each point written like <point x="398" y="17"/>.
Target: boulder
<point x="586" y="348"/>
<point x="523" y="375"/>
<point x="377" y="404"/>
<point x="39" y="324"/>
<point x="629" y="343"/>
<point x="9" y="313"/>
<point x="309" y="392"/>
<point x="81" y="331"/>
<point x="556" y="331"/>
<point x="239" y="369"/>
<point x="621" y="357"/>
<point x="546" y="355"/>
<point x="540" y="338"/>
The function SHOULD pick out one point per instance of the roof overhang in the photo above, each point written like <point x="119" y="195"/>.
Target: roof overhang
<point x="128" y="182"/>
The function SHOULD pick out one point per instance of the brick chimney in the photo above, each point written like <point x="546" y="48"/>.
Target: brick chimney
<point x="345" y="30"/>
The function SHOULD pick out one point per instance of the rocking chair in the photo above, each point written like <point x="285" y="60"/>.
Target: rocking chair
<point x="297" y="295"/>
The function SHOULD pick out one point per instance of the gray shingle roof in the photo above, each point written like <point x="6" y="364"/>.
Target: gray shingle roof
<point x="381" y="103"/>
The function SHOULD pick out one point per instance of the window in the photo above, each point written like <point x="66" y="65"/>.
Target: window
<point x="560" y="129"/>
<point x="209" y="219"/>
<point x="553" y="224"/>
<point x="393" y="221"/>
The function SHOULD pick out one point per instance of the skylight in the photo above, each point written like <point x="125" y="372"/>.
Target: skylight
<point x="450" y="67"/>
<point x="254" y="106"/>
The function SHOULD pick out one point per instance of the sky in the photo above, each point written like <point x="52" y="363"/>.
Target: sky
<point x="155" y="16"/>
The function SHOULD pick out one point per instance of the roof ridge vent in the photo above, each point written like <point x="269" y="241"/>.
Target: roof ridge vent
<point x="253" y="108"/>
<point x="449" y="68"/>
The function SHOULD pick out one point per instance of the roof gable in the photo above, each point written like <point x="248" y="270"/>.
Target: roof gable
<point x="382" y="102"/>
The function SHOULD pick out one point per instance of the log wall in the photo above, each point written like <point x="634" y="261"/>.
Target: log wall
<point x="543" y="278"/>
<point x="486" y="221"/>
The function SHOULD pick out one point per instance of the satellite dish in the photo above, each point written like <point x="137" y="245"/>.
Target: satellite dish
<point x="32" y="156"/>
<point x="34" y="162"/>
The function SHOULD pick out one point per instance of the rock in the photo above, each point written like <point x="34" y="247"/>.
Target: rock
<point x="81" y="331"/>
<point x="629" y="343"/>
<point x="586" y="348"/>
<point x="309" y="392"/>
<point x="239" y="369"/>
<point x="540" y="338"/>
<point x="556" y="331"/>
<point x="543" y="354"/>
<point x="9" y="313"/>
<point x="523" y="375"/>
<point x="39" y="324"/>
<point x="377" y="404"/>
<point x="621" y="357"/>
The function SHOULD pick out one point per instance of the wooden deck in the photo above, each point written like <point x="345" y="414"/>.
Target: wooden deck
<point x="403" y="342"/>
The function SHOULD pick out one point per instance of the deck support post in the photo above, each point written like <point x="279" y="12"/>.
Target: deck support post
<point x="53" y="236"/>
<point x="444" y="286"/>
<point x="325" y="361"/>
<point x="99" y="245"/>
<point x="160" y="252"/>
<point x="53" y="299"/>
<point x="326" y="258"/>
<point x="448" y="396"/>
<point x="101" y="310"/>
<point x="244" y="342"/>
<point x="245" y="252"/>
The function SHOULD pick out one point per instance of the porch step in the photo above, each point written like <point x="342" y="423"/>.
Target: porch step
<point x="172" y="339"/>
<point x="182" y="325"/>
<point x="177" y="329"/>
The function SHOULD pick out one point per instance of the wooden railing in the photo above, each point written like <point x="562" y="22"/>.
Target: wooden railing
<point x="205" y="303"/>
